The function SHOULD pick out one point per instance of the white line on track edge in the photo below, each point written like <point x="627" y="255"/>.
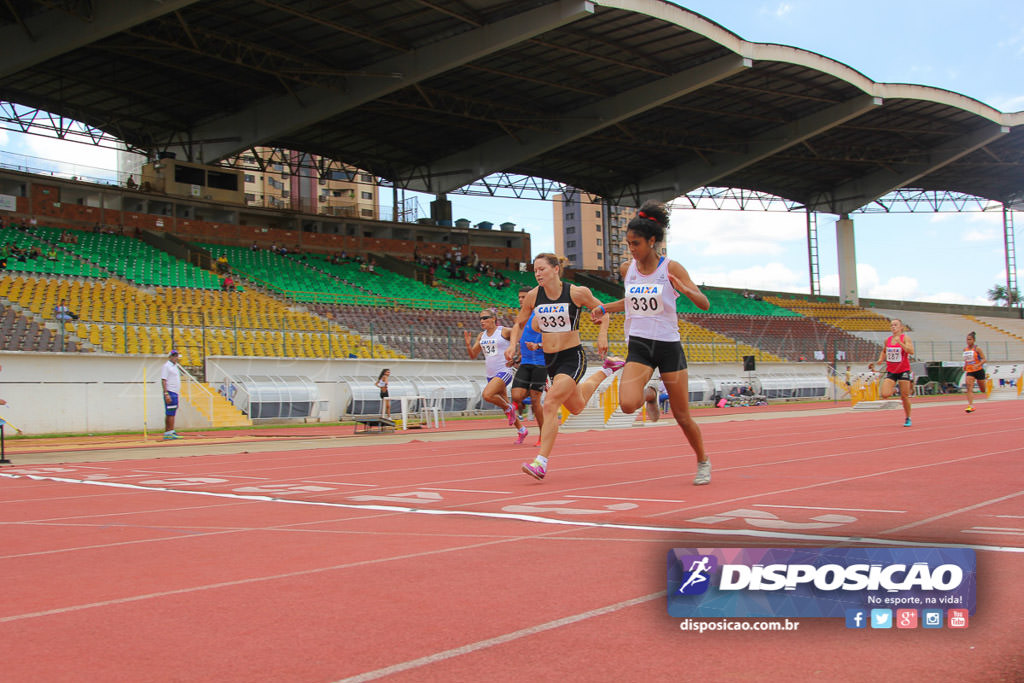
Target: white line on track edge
<point x="759" y="533"/>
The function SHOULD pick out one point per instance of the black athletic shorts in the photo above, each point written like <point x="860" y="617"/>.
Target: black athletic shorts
<point x="900" y="376"/>
<point x="531" y="377"/>
<point x="572" y="362"/>
<point x="666" y="356"/>
<point x="978" y="375"/>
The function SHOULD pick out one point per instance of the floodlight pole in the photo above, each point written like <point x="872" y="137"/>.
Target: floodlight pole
<point x="1011" y="257"/>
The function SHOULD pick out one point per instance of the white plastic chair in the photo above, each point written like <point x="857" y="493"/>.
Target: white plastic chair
<point x="435" y="408"/>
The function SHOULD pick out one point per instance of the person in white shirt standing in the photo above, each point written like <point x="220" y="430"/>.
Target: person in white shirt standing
<point x="653" y="283"/>
<point x="170" y="380"/>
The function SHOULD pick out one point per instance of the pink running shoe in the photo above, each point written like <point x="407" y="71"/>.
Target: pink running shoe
<point x="535" y="469"/>
<point x="510" y="413"/>
<point x="522" y="436"/>
<point x="614" y="363"/>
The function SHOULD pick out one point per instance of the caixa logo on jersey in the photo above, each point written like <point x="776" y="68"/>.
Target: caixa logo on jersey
<point x="816" y="582"/>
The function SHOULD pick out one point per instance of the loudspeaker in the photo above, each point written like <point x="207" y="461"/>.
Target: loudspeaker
<point x="748" y="364"/>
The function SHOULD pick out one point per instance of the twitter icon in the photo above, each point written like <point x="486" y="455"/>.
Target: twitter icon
<point x="881" y="618"/>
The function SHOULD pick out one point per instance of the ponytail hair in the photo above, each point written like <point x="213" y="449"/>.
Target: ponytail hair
<point x="651" y="221"/>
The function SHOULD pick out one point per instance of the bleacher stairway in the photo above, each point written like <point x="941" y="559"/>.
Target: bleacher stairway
<point x="213" y="407"/>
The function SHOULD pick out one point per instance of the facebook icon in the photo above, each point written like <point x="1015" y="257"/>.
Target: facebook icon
<point x="856" y="618"/>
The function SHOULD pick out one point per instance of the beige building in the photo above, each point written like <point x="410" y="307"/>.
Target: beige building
<point x="289" y="180"/>
<point x="590" y="233"/>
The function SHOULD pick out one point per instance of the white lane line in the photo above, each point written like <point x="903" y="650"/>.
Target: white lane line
<point x="505" y="493"/>
<point x="244" y="582"/>
<point x="644" y="500"/>
<point x="757" y="533"/>
<point x="335" y="483"/>
<point x="950" y="513"/>
<point x="991" y="531"/>
<point x="813" y="507"/>
<point x="497" y="640"/>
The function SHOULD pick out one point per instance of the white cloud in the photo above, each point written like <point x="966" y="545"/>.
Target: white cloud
<point x="979" y="236"/>
<point x="733" y="233"/>
<point x="66" y="158"/>
<point x="783" y="9"/>
<point x="768" y="276"/>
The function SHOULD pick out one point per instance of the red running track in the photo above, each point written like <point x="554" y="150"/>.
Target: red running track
<point x="441" y="561"/>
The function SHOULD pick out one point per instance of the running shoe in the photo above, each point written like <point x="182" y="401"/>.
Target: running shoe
<point x="613" y="363"/>
<point x="510" y="413"/>
<point x="522" y="436"/>
<point x="538" y="442"/>
<point x="907" y="423"/>
<point x="535" y="469"/>
<point x="703" y="473"/>
<point x="969" y="409"/>
<point x="171" y="437"/>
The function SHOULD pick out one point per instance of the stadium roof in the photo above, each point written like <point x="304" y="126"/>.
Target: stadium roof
<point x="627" y="99"/>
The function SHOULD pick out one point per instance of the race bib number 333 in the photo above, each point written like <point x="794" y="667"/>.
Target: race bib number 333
<point x="553" y="317"/>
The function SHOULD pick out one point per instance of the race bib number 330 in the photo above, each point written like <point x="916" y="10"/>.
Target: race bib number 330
<point x="644" y="299"/>
<point x="553" y="317"/>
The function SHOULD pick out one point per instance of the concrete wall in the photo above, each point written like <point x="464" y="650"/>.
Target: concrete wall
<point x="61" y="393"/>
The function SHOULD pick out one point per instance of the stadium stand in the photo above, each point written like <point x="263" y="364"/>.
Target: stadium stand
<point x="792" y="338"/>
<point x="940" y="336"/>
<point x="844" y="316"/>
<point x="132" y="259"/>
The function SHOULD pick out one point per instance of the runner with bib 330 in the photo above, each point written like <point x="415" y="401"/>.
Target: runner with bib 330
<point x="652" y="284"/>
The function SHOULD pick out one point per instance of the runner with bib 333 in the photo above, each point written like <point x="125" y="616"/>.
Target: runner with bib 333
<point x="556" y="315"/>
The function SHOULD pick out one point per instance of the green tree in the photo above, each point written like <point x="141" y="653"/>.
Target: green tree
<point x="998" y="294"/>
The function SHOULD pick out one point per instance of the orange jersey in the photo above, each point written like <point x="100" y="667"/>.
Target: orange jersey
<point x="973" y="359"/>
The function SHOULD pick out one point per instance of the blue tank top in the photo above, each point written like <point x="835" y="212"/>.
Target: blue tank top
<point x="530" y="335"/>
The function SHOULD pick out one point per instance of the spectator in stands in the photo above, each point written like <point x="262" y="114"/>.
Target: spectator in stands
<point x="385" y="400"/>
<point x="653" y="284"/>
<point x="222" y="265"/>
<point x="170" y="381"/>
<point x="974" y="369"/>
<point x="558" y="307"/>
<point x="371" y="265"/>
<point x="51" y="254"/>
<point x="131" y="182"/>
<point x="62" y="313"/>
<point x="228" y="283"/>
<point x="254" y="247"/>
<point x="896" y="353"/>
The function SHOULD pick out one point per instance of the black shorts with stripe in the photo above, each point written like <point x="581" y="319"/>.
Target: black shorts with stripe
<point x="666" y="356"/>
<point x="572" y="362"/>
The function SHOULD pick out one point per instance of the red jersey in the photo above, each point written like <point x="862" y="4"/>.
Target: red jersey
<point x="896" y="359"/>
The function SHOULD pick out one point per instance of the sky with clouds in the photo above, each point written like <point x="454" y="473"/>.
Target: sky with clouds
<point x="976" y="49"/>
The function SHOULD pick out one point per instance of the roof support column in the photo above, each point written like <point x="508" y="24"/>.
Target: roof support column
<point x="847" y="253"/>
<point x="441" y="210"/>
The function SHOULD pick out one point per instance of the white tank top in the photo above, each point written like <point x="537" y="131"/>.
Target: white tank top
<point x="651" y="304"/>
<point x="493" y="347"/>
